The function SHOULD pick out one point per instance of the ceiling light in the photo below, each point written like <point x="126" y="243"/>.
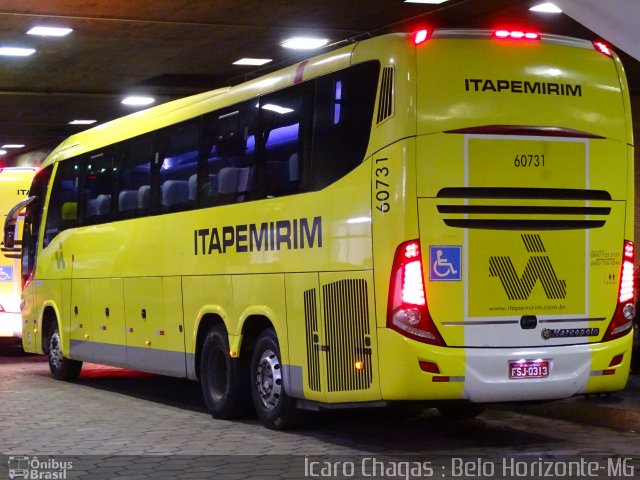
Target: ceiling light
<point x="138" y="101"/>
<point x="3" y="152"/>
<point x="82" y="122"/>
<point x="16" y="51"/>
<point x="432" y="2"/>
<point x="12" y="145"/>
<point x="546" y="7"/>
<point x="50" y="31"/>
<point x="252" y="61"/>
<point x="277" y="108"/>
<point x="304" y="43"/>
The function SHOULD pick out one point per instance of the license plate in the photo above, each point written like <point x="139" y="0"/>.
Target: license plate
<point x="529" y="369"/>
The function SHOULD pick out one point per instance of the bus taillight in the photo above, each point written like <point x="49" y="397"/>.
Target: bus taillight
<point x="408" y="312"/>
<point x="622" y="320"/>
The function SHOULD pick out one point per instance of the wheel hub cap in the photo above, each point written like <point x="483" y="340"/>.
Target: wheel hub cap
<point x="269" y="379"/>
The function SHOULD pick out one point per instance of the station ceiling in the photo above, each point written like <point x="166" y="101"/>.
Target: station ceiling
<point x="173" y="48"/>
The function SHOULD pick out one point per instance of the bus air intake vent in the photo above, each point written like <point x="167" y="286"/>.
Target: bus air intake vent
<point x="313" y="352"/>
<point x="385" y="106"/>
<point x="347" y="330"/>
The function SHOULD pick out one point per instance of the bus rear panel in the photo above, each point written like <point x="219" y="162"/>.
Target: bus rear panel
<point x="523" y="188"/>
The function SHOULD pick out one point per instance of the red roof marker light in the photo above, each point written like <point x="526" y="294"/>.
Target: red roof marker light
<point x="603" y="48"/>
<point x="420" y="36"/>
<point x="516" y="35"/>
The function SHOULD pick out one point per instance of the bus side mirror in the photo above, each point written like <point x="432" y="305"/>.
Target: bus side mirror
<point x="69" y="211"/>
<point x="11" y="220"/>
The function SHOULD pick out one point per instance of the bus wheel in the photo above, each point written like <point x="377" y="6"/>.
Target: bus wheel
<point x="62" y="368"/>
<point x="224" y="383"/>
<point x="461" y="411"/>
<point x="275" y="408"/>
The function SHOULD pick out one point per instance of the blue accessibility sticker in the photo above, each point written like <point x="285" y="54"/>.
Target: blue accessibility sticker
<point x="6" y="274"/>
<point x="445" y="263"/>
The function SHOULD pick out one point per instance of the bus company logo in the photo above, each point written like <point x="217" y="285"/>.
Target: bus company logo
<point x="33" y="468"/>
<point x="296" y="234"/>
<point x="519" y="287"/>
<point x="522" y="86"/>
<point x="548" y="333"/>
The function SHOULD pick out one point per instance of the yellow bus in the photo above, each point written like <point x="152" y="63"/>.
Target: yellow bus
<point x="443" y="216"/>
<point x="14" y="186"/>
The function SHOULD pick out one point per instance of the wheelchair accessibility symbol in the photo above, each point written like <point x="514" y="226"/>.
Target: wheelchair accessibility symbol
<point x="6" y="274"/>
<point x="445" y="263"/>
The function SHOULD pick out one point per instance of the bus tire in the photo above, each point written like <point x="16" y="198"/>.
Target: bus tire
<point x="274" y="407"/>
<point x="61" y="367"/>
<point x="224" y="383"/>
<point x="461" y="411"/>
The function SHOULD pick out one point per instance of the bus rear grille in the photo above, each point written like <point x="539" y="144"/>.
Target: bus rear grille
<point x="523" y="210"/>
<point x="528" y="217"/>
<point x="313" y="353"/>
<point x="522" y="193"/>
<point x="346" y="315"/>
<point x="385" y="106"/>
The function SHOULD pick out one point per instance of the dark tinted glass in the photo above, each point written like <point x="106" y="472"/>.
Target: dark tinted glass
<point x="285" y="127"/>
<point x="343" y="115"/>
<point x="135" y="161"/>
<point x="33" y="220"/>
<point x="178" y="152"/>
<point x="65" y="195"/>
<point x="97" y="189"/>
<point x="228" y="171"/>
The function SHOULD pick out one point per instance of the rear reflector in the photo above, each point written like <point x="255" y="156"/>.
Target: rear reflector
<point x="516" y="35"/>
<point x="615" y="361"/>
<point x="429" y="367"/>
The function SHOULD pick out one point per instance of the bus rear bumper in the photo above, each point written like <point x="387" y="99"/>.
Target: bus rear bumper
<point x="482" y="374"/>
<point x="10" y="325"/>
<point x="572" y="369"/>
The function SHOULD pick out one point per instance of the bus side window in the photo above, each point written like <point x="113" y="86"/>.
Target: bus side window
<point x="133" y="168"/>
<point x="33" y="219"/>
<point x="97" y="189"/>
<point x="63" y="204"/>
<point x="227" y="173"/>
<point x="343" y="110"/>
<point x="285" y="121"/>
<point x="177" y="148"/>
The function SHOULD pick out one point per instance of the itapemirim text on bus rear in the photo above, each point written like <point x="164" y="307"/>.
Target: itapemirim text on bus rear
<point x="445" y="217"/>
